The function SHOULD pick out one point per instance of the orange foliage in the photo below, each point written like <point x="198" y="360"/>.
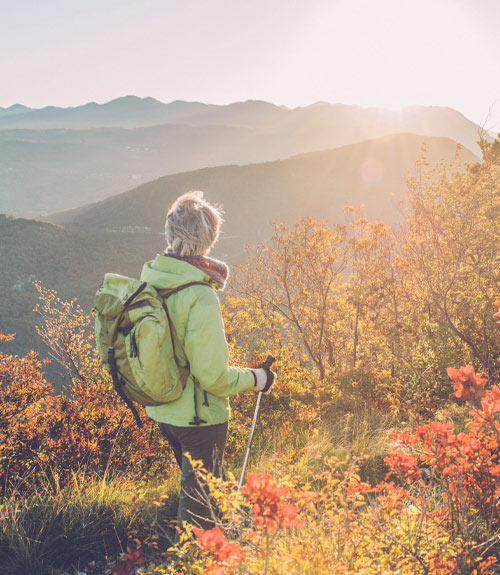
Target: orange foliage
<point x="223" y="554"/>
<point x="271" y="510"/>
<point x="341" y="526"/>
<point x="465" y="465"/>
<point x="468" y="384"/>
<point x="45" y="434"/>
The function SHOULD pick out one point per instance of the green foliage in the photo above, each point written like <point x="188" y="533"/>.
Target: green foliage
<point x="425" y="375"/>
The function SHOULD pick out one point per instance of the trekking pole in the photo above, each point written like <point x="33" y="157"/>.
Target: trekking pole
<point x="269" y="361"/>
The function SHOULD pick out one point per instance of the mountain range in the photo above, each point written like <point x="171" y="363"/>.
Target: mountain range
<point x="62" y="158"/>
<point x="132" y="111"/>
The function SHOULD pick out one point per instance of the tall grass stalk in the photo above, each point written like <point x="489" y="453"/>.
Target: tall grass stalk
<point x="89" y="519"/>
<point x="361" y="434"/>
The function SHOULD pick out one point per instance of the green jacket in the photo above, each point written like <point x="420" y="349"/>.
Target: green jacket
<point x="200" y="341"/>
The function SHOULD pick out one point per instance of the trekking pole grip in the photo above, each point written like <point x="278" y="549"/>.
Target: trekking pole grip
<point x="270" y="376"/>
<point x="269" y="362"/>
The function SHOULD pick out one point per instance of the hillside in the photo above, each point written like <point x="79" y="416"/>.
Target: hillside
<point x="45" y="170"/>
<point x="120" y="233"/>
<point x="316" y="184"/>
<point x="54" y="165"/>
<point x="68" y="260"/>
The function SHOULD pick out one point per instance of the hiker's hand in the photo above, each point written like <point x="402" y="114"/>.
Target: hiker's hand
<point x="264" y="379"/>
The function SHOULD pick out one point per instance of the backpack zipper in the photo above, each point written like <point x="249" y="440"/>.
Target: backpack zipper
<point x="197" y="420"/>
<point x="134" y="351"/>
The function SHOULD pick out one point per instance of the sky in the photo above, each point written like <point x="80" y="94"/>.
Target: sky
<point x="384" y="53"/>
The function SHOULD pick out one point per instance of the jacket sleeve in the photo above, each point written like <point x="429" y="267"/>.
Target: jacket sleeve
<point x="206" y="349"/>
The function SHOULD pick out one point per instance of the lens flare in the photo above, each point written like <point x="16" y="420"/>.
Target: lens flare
<point x="372" y="171"/>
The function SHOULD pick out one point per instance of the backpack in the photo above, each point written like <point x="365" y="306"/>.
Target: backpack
<point x="135" y="341"/>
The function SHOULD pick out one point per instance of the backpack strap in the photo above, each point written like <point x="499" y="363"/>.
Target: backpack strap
<point x="182" y="287"/>
<point x="165" y="307"/>
<point x="118" y="385"/>
<point x="118" y="382"/>
<point x="196" y="419"/>
<point x="126" y="307"/>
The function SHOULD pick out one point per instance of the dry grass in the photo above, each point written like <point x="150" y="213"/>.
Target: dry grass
<point x="87" y="520"/>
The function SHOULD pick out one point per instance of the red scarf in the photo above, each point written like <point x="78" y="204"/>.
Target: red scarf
<point x="216" y="269"/>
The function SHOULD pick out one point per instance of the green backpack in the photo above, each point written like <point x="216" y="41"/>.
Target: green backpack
<point x="135" y="341"/>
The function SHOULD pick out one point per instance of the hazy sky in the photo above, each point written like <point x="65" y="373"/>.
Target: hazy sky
<point x="369" y="52"/>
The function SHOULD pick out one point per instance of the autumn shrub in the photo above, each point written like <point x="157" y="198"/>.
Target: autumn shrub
<point x="463" y="466"/>
<point x="86" y="428"/>
<point x="373" y="312"/>
<point x="318" y="515"/>
<point x="425" y="386"/>
<point x="435" y="513"/>
<point x="332" y="523"/>
<point x="25" y="399"/>
<point x="366" y="387"/>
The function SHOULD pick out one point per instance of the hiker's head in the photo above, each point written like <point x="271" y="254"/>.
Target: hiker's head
<point x="192" y="225"/>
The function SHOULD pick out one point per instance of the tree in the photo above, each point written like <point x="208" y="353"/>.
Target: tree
<point x="377" y="292"/>
<point x="451" y="249"/>
<point x="296" y="285"/>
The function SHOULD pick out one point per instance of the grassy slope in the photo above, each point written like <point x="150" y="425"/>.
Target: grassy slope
<point x="89" y="519"/>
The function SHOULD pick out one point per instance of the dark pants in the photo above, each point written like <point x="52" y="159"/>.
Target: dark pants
<point x="205" y="444"/>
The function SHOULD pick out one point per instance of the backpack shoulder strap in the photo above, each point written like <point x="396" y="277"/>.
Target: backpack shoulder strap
<point x="164" y="295"/>
<point x="196" y="419"/>
<point x="168" y="293"/>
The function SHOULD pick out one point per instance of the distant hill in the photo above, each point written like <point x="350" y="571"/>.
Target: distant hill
<point x="72" y="253"/>
<point x="316" y="184"/>
<point x="327" y="124"/>
<point x="59" y="161"/>
<point x="13" y="110"/>
<point x="46" y="170"/>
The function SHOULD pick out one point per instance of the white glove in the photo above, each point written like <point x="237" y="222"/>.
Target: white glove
<point x="264" y="380"/>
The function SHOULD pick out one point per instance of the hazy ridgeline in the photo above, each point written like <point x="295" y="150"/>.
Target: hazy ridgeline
<point x="55" y="159"/>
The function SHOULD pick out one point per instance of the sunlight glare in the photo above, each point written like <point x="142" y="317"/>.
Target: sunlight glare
<point x="392" y="53"/>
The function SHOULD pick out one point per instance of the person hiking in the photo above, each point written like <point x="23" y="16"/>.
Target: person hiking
<point x="197" y="422"/>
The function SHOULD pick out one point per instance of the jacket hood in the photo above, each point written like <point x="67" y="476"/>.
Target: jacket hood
<point x="165" y="272"/>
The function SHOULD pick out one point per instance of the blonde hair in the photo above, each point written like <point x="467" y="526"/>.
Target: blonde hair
<point x="192" y="225"/>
